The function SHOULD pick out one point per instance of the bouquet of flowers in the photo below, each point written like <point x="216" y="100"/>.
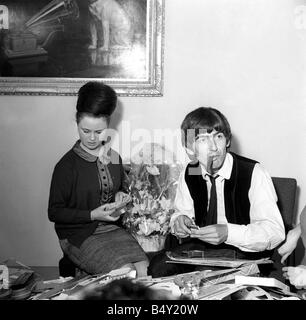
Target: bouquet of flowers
<point x="153" y="178"/>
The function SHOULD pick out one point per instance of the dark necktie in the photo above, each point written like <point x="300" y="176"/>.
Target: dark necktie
<point x="211" y="217"/>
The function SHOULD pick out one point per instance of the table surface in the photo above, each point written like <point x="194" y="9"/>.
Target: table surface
<point x="52" y="273"/>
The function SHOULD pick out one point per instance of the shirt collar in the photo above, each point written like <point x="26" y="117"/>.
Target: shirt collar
<point x="82" y="153"/>
<point x="104" y="157"/>
<point x="226" y="169"/>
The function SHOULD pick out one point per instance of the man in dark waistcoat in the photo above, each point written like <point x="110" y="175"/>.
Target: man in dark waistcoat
<point x="225" y="204"/>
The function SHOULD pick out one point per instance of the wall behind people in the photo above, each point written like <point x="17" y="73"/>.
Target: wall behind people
<point x="246" y="58"/>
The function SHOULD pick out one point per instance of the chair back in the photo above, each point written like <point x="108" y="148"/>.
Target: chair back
<point x="286" y="193"/>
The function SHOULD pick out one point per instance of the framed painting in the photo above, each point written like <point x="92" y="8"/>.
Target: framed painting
<point x="52" y="47"/>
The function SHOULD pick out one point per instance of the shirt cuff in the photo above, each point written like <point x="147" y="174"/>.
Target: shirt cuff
<point x="237" y="237"/>
<point x="235" y="234"/>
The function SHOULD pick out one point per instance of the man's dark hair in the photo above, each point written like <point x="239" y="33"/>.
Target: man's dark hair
<point x="207" y="119"/>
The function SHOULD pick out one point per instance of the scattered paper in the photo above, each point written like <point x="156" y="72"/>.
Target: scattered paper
<point x="217" y="262"/>
<point x="261" y="281"/>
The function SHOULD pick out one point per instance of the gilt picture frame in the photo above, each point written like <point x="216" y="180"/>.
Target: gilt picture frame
<point x="53" y="47"/>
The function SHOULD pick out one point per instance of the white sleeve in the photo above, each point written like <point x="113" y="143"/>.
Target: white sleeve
<point x="266" y="229"/>
<point x="183" y="202"/>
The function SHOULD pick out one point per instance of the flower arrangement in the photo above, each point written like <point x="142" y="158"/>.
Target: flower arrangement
<point x="153" y="178"/>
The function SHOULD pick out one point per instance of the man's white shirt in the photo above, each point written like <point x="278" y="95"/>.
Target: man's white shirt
<point x="266" y="228"/>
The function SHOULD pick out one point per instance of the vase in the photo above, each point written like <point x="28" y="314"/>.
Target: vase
<point x="151" y="243"/>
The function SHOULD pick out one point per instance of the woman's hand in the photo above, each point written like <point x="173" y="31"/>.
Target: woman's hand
<point x="290" y="244"/>
<point x="103" y="213"/>
<point x="122" y="197"/>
